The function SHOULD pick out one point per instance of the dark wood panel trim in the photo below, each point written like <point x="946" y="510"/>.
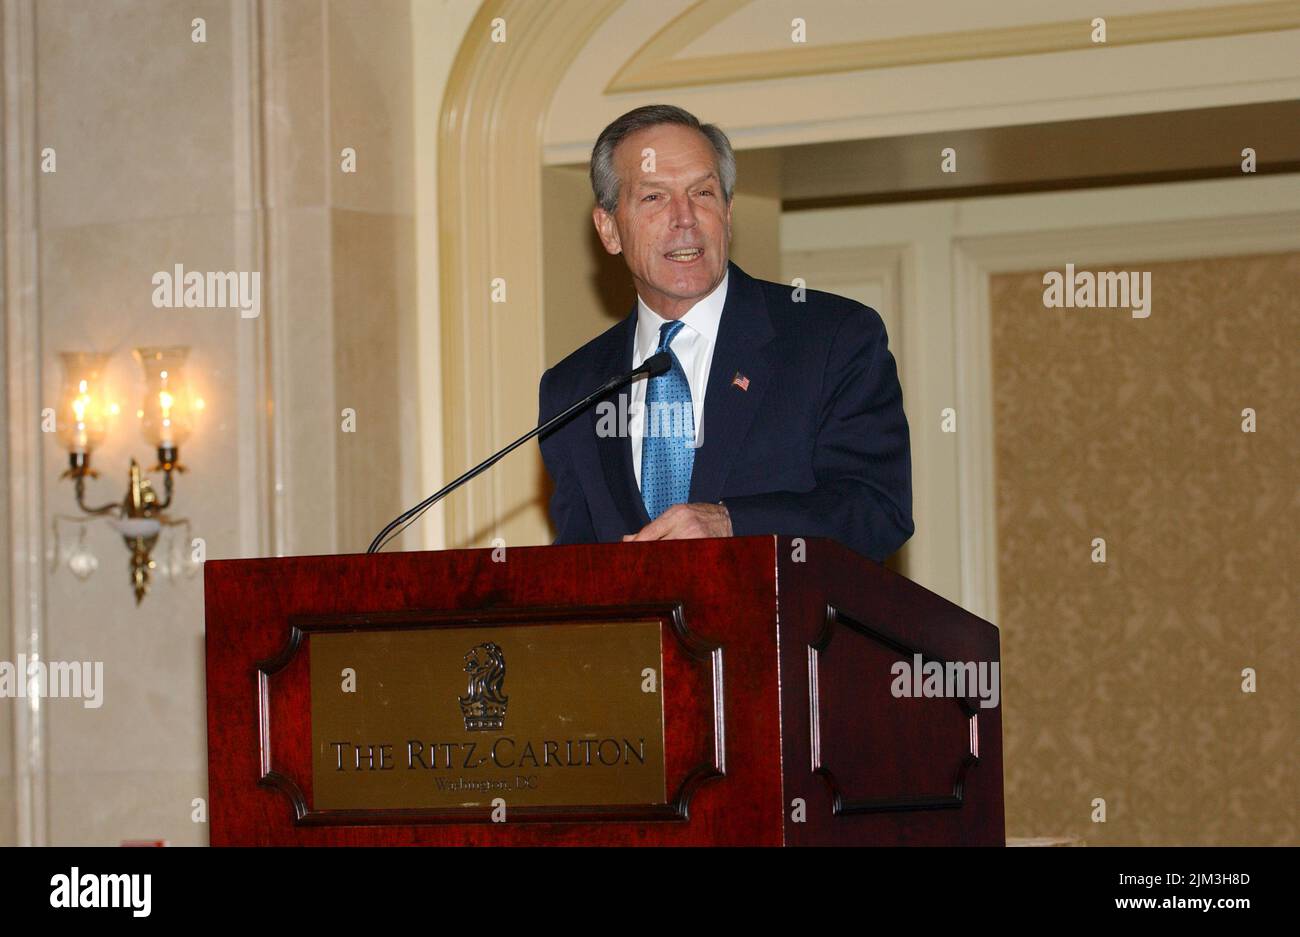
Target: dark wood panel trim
<point x="843" y="805"/>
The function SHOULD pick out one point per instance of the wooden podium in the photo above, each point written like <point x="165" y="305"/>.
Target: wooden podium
<point x="700" y="692"/>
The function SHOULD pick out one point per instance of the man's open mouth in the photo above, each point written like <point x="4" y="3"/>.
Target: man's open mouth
<point x="685" y="255"/>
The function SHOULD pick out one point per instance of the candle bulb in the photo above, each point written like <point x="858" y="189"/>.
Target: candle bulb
<point x="82" y="414"/>
<point x="165" y="416"/>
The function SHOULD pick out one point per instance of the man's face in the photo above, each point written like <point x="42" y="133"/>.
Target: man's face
<point x="672" y="223"/>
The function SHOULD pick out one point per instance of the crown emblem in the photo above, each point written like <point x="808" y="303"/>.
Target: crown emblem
<point x="484" y="705"/>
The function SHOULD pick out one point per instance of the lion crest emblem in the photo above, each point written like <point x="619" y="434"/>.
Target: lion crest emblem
<point x="484" y="705"/>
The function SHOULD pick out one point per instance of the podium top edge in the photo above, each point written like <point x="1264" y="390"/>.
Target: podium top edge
<point x="705" y="543"/>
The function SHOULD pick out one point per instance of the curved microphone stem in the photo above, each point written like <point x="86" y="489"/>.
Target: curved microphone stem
<point x="654" y="366"/>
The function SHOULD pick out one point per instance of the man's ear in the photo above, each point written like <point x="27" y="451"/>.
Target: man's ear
<point x="607" y="229"/>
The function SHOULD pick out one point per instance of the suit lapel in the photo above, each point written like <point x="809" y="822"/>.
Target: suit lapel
<point x="616" y="450"/>
<point x="743" y="332"/>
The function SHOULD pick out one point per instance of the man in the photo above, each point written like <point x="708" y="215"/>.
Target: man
<point x="782" y="407"/>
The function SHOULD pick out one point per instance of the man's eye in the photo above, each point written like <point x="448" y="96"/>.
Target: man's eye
<point x="708" y="192"/>
<point x="648" y="197"/>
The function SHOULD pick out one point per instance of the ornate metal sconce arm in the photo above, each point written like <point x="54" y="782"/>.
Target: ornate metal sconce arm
<point x="78" y="469"/>
<point x="167" y="464"/>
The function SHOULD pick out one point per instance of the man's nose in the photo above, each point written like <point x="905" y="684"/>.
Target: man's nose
<point x="684" y="213"/>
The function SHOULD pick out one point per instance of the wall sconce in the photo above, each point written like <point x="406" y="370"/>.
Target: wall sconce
<point x="166" y="421"/>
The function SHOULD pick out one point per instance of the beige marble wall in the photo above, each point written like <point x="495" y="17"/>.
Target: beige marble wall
<point x="374" y="292"/>
<point x="140" y="118"/>
<point x="222" y="155"/>
<point x="297" y="231"/>
<point x="372" y="220"/>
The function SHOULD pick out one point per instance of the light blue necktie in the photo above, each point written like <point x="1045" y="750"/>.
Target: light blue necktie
<point x="668" y="433"/>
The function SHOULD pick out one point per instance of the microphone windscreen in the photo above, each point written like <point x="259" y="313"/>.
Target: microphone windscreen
<point x="657" y="364"/>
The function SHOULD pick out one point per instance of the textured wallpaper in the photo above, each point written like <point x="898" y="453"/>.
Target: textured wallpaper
<point x="1122" y="679"/>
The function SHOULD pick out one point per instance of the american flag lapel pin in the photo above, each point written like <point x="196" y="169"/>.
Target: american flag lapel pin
<point x="740" y="381"/>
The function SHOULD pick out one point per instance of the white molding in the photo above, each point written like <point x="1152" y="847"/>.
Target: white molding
<point x="257" y="446"/>
<point x="23" y="436"/>
<point x="838" y="266"/>
<point x="975" y="259"/>
<point x="925" y="117"/>
<point x="489" y="225"/>
<point x="658" y="64"/>
<point x="435" y="33"/>
<point x="976" y="485"/>
<point x="833" y="268"/>
<point x="271" y="213"/>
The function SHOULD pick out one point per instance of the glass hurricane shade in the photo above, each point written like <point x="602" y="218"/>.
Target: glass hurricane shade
<point x="83" y="407"/>
<point x="167" y="412"/>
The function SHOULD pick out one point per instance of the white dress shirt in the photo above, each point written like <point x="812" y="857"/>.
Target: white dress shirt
<point x="693" y="347"/>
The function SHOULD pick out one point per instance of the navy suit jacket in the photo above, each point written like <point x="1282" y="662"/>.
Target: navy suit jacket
<point x="816" y="445"/>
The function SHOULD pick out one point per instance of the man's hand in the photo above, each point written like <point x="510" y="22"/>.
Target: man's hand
<point x="686" y="521"/>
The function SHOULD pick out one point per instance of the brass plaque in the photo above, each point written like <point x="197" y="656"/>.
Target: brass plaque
<point x="556" y="715"/>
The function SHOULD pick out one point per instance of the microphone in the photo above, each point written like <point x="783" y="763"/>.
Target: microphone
<point x="652" y="366"/>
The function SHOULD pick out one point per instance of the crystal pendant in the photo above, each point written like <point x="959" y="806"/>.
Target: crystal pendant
<point x="82" y="562"/>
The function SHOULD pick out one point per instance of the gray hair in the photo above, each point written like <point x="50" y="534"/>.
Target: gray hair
<point x="604" y="180"/>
